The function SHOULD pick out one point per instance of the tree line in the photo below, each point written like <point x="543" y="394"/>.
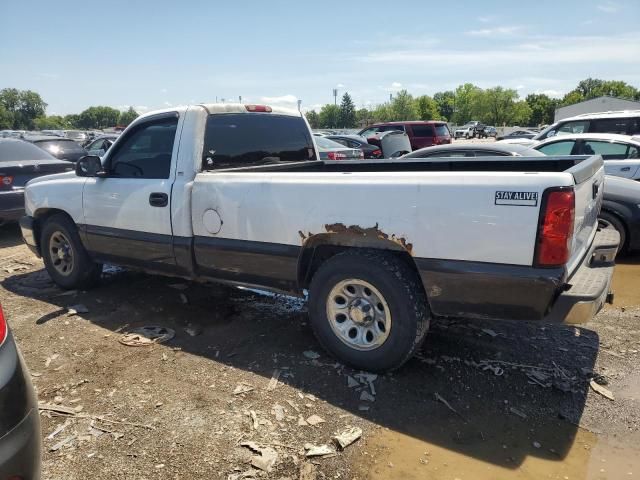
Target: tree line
<point x="25" y="110"/>
<point x="493" y="106"/>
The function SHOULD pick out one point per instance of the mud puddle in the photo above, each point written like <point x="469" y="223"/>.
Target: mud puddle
<point x="392" y="455"/>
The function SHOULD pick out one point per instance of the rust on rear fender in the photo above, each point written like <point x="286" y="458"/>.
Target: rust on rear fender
<point x="353" y="232"/>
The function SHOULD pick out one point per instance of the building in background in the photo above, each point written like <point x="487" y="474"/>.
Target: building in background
<point x="595" y="105"/>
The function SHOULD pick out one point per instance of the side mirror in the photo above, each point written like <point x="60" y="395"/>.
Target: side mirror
<point x="89" y="166"/>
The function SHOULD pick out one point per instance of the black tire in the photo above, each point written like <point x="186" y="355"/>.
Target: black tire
<point x="400" y="288"/>
<point x="609" y="220"/>
<point x="82" y="273"/>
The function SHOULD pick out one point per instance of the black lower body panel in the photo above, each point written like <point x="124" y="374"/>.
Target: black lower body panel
<point x="272" y="265"/>
<point x="463" y="288"/>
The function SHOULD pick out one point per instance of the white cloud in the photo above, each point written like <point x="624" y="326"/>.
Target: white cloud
<point x="340" y="85"/>
<point x="50" y="76"/>
<point x="486" y="18"/>
<point x="163" y="90"/>
<point x="283" y="100"/>
<point x="167" y="104"/>
<point x="551" y="93"/>
<point x="609" y="7"/>
<point x="520" y="87"/>
<point x="490" y="32"/>
<point x="587" y="22"/>
<point x="141" y="108"/>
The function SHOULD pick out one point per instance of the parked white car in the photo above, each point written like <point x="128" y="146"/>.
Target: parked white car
<point x="235" y="193"/>
<point x="621" y="153"/>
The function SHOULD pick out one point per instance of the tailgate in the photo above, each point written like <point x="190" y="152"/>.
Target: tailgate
<point x="588" y="176"/>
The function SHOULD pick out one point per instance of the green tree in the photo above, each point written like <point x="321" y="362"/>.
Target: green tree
<point x="98" y="117"/>
<point x="466" y="100"/>
<point x="329" y="116"/>
<point x="6" y="118"/>
<point x="347" y="118"/>
<point x="53" y="122"/>
<point x="595" y="87"/>
<point x="542" y="107"/>
<point x="127" y="117"/>
<point x="572" y="97"/>
<point x="446" y="102"/>
<point x="24" y="106"/>
<point x="427" y="108"/>
<point x="382" y="113"/>
<point x="364" y="117"/>
<point x="72" y="120"/>
<point x="403" y="107"/>
<point x="313" y="118"/>
<point x="501" y="106"/>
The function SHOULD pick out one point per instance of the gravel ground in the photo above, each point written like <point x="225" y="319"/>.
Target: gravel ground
<point x="169" y="410"/>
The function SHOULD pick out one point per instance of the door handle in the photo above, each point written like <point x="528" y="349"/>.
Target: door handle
<point x="625" y="169"/>
<point x="158" y="199"/>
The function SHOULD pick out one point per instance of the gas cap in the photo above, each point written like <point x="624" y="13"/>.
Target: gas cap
<point x="212" y="221"/>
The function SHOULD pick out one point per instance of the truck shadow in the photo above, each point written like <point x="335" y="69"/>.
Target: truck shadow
<point x="10" y="235"/>
<point x="475" y="387"/>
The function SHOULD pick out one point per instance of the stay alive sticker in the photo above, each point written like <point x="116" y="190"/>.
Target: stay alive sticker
<point x="522" y="199"/>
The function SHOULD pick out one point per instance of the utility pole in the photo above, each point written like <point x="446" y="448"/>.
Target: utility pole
<point x="240" y="98"/>
<point x="299" y="104"/>
<point x="335" y="96"/>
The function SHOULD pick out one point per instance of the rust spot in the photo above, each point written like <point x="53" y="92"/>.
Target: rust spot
<point x="367" y="232"/>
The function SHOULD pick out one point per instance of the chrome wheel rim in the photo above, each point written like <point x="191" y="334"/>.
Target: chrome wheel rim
<point x="358" y="314"/>
<point x="61" y="253"/>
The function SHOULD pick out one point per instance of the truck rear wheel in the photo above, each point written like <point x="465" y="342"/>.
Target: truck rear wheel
<point x="368" y="309"/>
<point x="65" y="258"/>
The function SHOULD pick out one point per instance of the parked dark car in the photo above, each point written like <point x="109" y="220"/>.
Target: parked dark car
<point x="20" y="439"/>
<point x="518" y="134"/>
<point x="421" y="133"/>
<point x="330" y="150"/>
<point x="621" y="210"/>
<point x="21" y="161"/>
<point x="475" y="150"/>
<point x="355" y="141"/>
<point x="62" y="148"/>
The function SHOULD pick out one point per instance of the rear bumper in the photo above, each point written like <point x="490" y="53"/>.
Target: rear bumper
<point x="589" y="288"/>
<point x="11" y="205"/>
<point x="20" y="449"/>
<point x="28" y="234"/>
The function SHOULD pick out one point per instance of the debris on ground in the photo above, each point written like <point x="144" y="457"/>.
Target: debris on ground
<point x="76" y="309"/>
<point x="266" y="458"/>
<point x="490" y="332"/>
<point x="318" y="450"/>
<point x="273" y="383"/>
<point x="517" y="412"/>
<point x="279" y="412"/>
<point x="193" y="330"/>
<point x="440" y="399"/>
<point x="537" y="445"/>
<point x="367" y="397"/>
<point x="62" y="443"/>
<point x="178" y="286"/>
<point x="352" y="382"/>
<point x="242" y="388"/>
<point x="50" y="359"/>
<point x="311" y="355"/>
<point x="347" y="437"/>
<point x="147" y="335"/>
<point x="605" y="392"/>
<point x="314" y="420"/>
<point x="308" y="472"/>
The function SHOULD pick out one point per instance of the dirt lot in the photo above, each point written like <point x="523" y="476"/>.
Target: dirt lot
<point x="482" y="400"/>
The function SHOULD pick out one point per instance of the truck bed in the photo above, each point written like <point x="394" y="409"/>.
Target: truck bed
<point x="458" y="164"/>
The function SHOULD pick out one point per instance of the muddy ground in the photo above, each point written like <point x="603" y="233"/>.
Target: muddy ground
<point x="482" y="400"/>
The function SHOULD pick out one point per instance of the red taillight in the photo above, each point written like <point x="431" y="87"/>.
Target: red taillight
<point x="6" y="181"/>
<point x="258" y="108"/>
<point x="336" y="156"/>
<point x="3" y="327"/>
<point x="377" y="153"/>
<point x="555" y="231"/>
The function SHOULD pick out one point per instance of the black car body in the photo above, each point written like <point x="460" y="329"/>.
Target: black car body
<point x="356" y="141"/>
<point x="61" y="148"/>
<point x="21" y="161"/>
<point x="518" y="134"/>
<point x="475" y="150"/>
<point x="621" y="210"/>
<point x="20" y="439"/>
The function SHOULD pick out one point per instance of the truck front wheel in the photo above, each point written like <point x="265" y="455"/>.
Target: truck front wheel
<point x="368" y="309"/>
<point x="65" y="258"/>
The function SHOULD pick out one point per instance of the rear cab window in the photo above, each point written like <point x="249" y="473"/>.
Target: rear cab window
<point x="235" y="140"/>
<point x="442" y="130"/>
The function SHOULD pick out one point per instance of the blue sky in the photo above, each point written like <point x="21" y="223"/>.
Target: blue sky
<point x="154" y="54"/>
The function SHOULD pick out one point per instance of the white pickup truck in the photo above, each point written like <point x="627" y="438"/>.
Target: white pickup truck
<point x="234" y="193"/>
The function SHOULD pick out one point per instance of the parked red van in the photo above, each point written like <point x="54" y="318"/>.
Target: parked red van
<point x="421" y="133"/>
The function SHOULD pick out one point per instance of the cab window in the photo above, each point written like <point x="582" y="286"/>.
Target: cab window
<point x="557" y="148"/>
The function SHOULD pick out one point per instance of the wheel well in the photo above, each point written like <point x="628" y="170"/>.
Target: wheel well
<point x="40" y="216"/>
<point x="313" y="256"/>
<point x="622" y="221"/>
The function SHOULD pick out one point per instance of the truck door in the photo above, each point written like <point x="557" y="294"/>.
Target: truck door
<point x="127" y="216"/>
